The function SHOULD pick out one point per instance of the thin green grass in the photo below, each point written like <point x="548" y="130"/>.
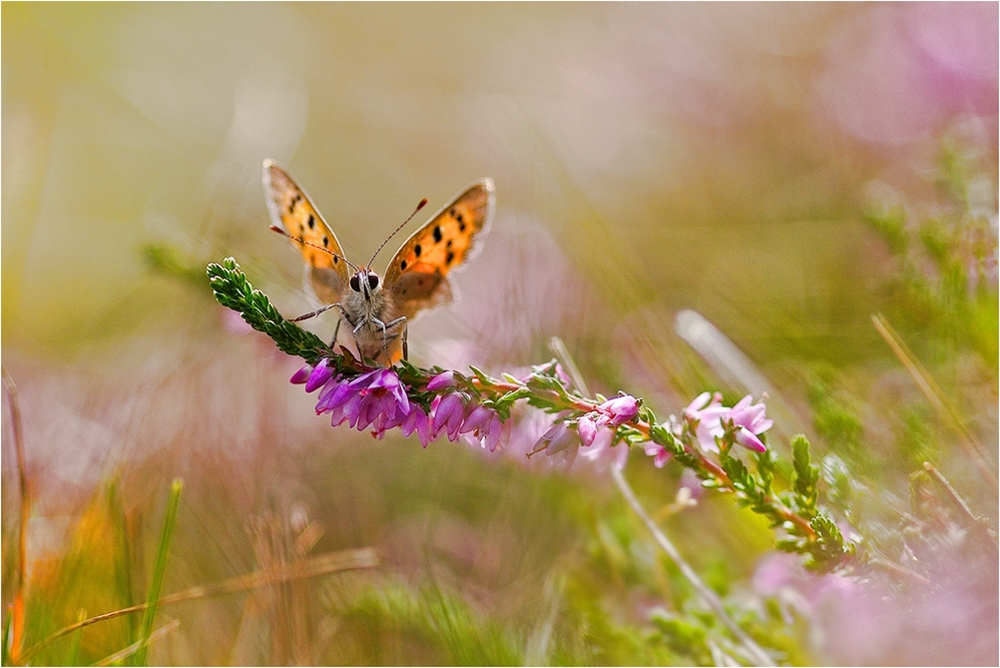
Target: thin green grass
<point x="139" y="658"/>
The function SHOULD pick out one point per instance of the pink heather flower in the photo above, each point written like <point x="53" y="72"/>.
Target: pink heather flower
<point x="441" y="381"/>
<point x="497" y="432"/>
<point x="749" y="440"/>
<point x="610" y="414"/>
<point x="587" y="429"/>
<point x="387" y="380"/>
<point x="448" y="414"/>
<point x="750" y="421"/>
<point x="301" y="375"/>
<point x="319" y="375"/>
<point x="705" y="419"/>
<point x="334" y="396"/>
<point x="373" y="398"/>
<point x="478" y="416"/>
<point x="619" y="410"/>
<point x="417" y="421"/>
<point x="484" y="428"/>
<point x="557" y="438"/>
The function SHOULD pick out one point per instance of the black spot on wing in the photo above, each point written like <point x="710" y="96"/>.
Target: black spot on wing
<point x="417" y="249"/>
<point x="450" y="258"/>
<point x="402" y="265"/>
<point x="437" y="234"/>
<point x="326" y="241"/>
<point x="312" y="222"/>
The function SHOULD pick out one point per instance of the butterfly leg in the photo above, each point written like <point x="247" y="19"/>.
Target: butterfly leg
<point x="354" y="331"/>
<point x="336" y="331"/>
<point x="315" y="313"/>
<point x="399" y="322"/>
<point x="406" y="351"/>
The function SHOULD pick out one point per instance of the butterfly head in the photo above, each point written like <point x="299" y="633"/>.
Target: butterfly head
<point x="366" y="283"/>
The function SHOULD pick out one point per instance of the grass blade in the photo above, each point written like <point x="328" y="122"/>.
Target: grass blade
<point x="17" y="610"/>
<point x="327" y="563"/>
<point x="139" y="658"/>
<point x="140" y="645"/>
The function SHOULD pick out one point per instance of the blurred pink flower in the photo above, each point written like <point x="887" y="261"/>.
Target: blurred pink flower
<point x="863" y="622"/>
<point x="659" y="454"/>
<point x="895" y="71"/>
<point x="603" y="452"/>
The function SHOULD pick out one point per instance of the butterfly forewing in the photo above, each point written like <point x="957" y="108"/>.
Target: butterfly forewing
<point x="292" y="210"/>
<point x="417" y="275"/>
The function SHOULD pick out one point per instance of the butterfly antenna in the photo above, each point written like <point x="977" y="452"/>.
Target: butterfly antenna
<point x="421" y="205"/>
<point x="275" y="228"/>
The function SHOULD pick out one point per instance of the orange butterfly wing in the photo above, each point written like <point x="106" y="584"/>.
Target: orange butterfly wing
<point x="292" y="210"/>
<point x="417" y="275"/>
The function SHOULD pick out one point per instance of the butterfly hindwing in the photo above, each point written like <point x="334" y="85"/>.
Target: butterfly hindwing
<point x="417" y="276"/>
<point x="292" y="210"/>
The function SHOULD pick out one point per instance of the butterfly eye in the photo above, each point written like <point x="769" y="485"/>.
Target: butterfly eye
<point x="372" y="281"/>
<point x="355" y="283"/>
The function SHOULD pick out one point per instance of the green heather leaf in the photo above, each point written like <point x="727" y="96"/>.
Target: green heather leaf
<point x="806" y="474"/>
<point x="482" y="377"/>
<point x="233" y="291"/>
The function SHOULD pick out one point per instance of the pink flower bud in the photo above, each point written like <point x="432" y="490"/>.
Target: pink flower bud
<point x="621" y="409"/>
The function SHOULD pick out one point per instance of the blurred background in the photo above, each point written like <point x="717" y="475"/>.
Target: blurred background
<point x="750" y="163"/>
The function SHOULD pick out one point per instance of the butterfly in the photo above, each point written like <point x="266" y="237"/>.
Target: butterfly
<point x="376" y="309"/>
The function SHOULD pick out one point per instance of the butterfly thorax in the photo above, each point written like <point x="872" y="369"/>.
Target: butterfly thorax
<point x="369" y="309"/>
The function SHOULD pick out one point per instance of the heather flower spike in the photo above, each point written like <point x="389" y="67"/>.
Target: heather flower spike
<point x="432" y="403"/>
<point x="477" y="408"/>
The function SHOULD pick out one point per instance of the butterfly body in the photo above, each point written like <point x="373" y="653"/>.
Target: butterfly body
<point x="371" y="314"/>
<point x="378" y="309"/>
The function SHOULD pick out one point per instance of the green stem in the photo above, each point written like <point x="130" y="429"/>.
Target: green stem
<point x="139" y="658"/>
